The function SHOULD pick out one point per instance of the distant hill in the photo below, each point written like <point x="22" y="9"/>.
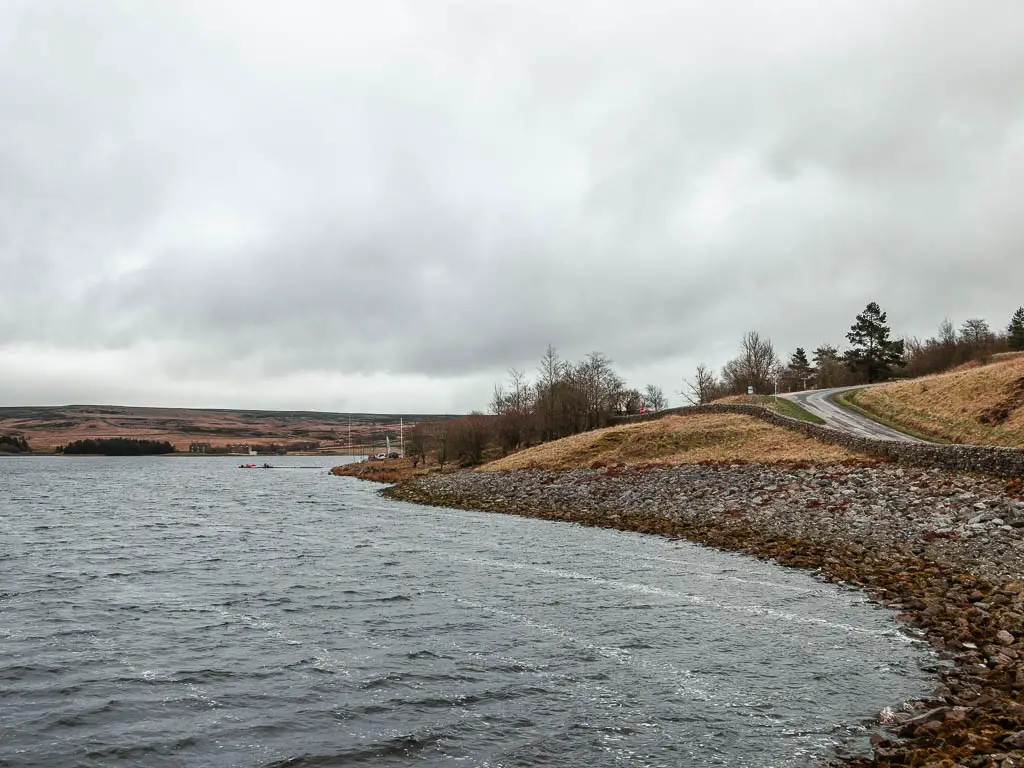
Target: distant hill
<point x="47" y="427"/>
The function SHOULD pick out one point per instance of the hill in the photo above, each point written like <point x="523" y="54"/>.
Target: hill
<point x="46" y="427"/>
<point x="977" y="404"/>
<point x="682" y="439"/>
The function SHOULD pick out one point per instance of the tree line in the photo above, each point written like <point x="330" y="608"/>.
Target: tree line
<point x="872" y="355"/>
<point x="564" y="398"/>
<point x="116" y="446"/>
<point x="14" y="444"/>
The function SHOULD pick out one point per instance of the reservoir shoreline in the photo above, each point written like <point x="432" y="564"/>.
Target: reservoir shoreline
<point x="944" y="549"/>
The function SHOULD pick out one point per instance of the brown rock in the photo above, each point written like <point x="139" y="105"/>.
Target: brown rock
<point x="1004" y="637"/>
<point x="956" y="714"/>
<point x="1017" y="739"/>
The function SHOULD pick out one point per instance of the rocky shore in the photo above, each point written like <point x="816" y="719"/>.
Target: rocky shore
<point x="945" y="549"/>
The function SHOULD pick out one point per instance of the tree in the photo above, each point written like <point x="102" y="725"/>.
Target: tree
<point x="702" y="388"/>
<point x="654" y="398"/>
<point x="977" y="337"/>
<point x="800" y="370"/>
<point x="630" y="401"/>
<point x="599" y="387"/>
<point x="873" y="354"/>
<point x="1015" y="330"/>
<point x="418" y="442"/>
<point x="975" y="331"/>
<point x="514" y="408"/>
<point x="829" y="369"/>
<point x="441" y="443"/>
<point x="947" y="334"/>
<point x="824" y="354"/>
<point x="468" y="437"/>
<point x="550" y="376"/>
<point x="14" y="444"/>
<point x="757" y="365"/>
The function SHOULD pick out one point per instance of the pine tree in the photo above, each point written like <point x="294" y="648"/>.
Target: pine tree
<point x="873" y="354"/>
<point x="825" y="353"/>
<point x="799" y="367"/>
<point x="1015" y="330"/>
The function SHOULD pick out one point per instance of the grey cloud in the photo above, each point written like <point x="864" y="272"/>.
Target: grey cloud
<point x="440" y="190"/>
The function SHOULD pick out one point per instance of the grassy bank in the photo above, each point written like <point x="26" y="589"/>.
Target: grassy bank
<point x="848" y="400"/>
<point x="390" y="470"/>
<point x="780" y="404"/>
<point x="679" y="439"/>
<point x="980" y="405"/>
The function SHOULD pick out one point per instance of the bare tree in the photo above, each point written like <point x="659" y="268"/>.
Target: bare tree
<point x="468" y="437"/>
<point x="441" y="443"/>
<point x="514" y="409"/>
<point x="978" y="337"/>
<point x="757" y="365"/>
<point x="550" y="376"/>
<point x="975" y="331"/>
<point x="702" y="388"/>
<point x="654" y="398"/>
<point x="599" y="386"/>
<point x="419" y="441"/>
<point x="630" y="401"/>
<point x="947" y="334"/>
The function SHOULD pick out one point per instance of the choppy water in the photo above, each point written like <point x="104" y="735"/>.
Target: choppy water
<point x="183" y="612"/>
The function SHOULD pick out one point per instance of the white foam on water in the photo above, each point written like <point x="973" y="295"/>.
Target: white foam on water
<point x="323" y="659"/>
<point x="703" y="575"/>
<point x="687" y="683"/>
<point x="718" y="605"/>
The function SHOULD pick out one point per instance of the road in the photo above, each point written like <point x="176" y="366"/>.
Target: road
<point x="817" y="402"/>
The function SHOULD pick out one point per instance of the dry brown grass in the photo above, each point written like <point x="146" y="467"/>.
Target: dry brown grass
<point x="686" y="439"/>
<point x="388" y="470"/>
<point x="983" y="405"/>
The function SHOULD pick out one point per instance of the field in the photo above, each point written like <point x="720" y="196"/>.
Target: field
<point x="685" y="439"/>
<point x="48" y="427"/>
<point x="981" y="405"/>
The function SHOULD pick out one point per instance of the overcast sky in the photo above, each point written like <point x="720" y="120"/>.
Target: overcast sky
<point x="382" y="206"/>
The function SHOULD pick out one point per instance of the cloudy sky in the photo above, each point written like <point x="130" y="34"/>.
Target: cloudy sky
<point x="383" y="206"/>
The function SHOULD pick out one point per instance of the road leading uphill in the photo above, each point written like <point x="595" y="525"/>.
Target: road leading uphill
<point x="818" y="402"/>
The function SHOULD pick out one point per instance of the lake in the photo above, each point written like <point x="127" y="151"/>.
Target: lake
<point x="180" y="611"/>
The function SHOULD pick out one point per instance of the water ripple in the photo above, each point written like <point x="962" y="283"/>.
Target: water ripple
<point x="169" y="612"/>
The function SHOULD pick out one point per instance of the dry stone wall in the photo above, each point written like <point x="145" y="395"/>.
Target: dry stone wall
<point x="1002" y="462"/>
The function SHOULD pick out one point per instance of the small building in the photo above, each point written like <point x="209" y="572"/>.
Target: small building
<point x="199" y="447"/>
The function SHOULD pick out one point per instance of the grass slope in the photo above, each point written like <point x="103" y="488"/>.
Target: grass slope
<point x="678" y="439"/>
<point x="981" y="405"/>
<point x="780" y="404"/>
<point x="848" y="400"/>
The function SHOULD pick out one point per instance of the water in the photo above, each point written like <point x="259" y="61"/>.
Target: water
<point x="184" y="612"/>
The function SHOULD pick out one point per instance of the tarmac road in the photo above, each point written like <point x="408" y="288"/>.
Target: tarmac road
<point x="816" y="401"/>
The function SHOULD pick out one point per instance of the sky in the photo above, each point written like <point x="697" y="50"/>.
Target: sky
<point x="385" y="206"/>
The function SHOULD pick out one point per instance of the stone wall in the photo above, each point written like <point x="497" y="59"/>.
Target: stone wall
<point x="1002" y="462"/>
